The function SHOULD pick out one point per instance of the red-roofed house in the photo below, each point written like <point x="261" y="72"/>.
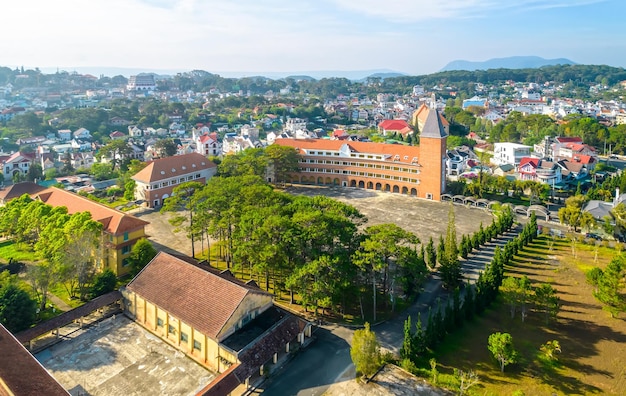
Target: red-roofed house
<point x="536" y="169"/>
<point x="340" y="134"/>
<point x="155" y="182"/>
<point x="17" y="163"/>
<point x="208" y="144"/>
<point x="389" y="127"/>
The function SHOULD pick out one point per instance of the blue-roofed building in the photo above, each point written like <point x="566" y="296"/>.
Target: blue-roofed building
<point x="476" y="101"/>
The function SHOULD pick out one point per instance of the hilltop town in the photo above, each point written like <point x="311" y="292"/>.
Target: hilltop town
<point x="299" y="203"/>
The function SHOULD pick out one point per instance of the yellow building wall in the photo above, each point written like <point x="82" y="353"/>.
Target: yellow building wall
<point x="251" y="304"/>
<point x="115" y="257"/>
<point x="147" y="315"/>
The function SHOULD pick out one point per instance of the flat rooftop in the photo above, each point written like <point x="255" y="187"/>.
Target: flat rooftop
<point x="119" y="357"/>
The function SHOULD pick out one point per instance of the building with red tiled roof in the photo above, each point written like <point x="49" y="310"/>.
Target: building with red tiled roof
<point x="412" y="170"/>
<point x="389" y="127"/>
<point x="17" y="190"/>
<point x="21" y="373"/>
<point x="155" y="182"/>
<point x="226" y="325"/>
<point x="120" y="230"/>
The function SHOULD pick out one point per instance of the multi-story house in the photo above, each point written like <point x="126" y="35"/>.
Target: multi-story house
<point x="509" y="153"/>
<point x="539" y="170"/>
<point x="157" y="180"/>
<point x="16" y="163"/>
<point x="412" y="170"/>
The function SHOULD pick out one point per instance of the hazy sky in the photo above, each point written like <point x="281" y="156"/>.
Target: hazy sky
<point x="410" y="36"/>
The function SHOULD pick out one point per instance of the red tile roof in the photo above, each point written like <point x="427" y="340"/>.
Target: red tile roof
<point x="192" y="293"/>
<point x="182" y="164"/>
<point x="534" y="162"/>
<point x="19" y="189"/>
<point x="21" y="373"/>
<point x="114" y="221"/>
<point x="390" y="150"/>
<point x="393" y="125"/>
<point x="568" y="139"/>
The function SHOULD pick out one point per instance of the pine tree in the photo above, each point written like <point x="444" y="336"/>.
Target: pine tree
<point x="469" y="303"/>
<point x="431" y="254"/>
<point x="450" y="266"/>
<point x="407" y="350"/>
<point x="419" y="339"/>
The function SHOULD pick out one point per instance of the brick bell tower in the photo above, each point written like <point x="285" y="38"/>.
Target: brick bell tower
<point x="433" y="138"/>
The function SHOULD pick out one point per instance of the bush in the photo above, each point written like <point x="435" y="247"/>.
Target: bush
<point x="104" y="283"/>
<point x="409" y="366"/>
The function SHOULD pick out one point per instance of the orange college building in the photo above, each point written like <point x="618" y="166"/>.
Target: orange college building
<point x="412" y="170"/>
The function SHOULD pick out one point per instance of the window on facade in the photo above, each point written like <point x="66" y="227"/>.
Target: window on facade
<point x="197" y="175"/>
<point x="171" y="329"/>
<point x="125" y="262"/>
<point x="125" y="236"/>
<point x="196" y="345"/>
<point x="159" y="322"/>
<point x="126" y="250"/>
<point x="184" y="337"/>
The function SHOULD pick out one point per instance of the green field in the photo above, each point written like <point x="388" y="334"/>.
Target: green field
<point x="593" y="358"/>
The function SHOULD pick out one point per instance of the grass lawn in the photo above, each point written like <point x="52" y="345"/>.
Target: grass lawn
<point x="593" y="358"/>
<point x="9" y="249"/>
<point x="59" y="291"/>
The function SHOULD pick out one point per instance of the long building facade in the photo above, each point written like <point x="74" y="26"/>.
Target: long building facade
<point x="413" y="170"/>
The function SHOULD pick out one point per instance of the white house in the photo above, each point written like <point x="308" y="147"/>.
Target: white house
<point x="509" y="153"/>
<point x="64" y="134"/>
<point x="82" y="133"/>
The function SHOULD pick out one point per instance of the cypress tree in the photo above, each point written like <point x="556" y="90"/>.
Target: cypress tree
<point x="406" y="352"/>
<point x="469" y="302"/>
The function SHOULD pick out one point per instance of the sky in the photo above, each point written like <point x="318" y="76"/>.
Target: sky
<point x="254" y="36"/>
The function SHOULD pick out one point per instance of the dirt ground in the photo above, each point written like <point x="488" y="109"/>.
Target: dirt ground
<point x="593" y="358"/>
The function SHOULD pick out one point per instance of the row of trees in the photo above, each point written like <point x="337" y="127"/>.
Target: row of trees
<point x="476" y="298"/>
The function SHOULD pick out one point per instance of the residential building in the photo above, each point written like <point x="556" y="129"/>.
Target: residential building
<point x="224" y="324"/>
<point x="539" y="170"/>
<point x="141" y="82"/>
<point x="157" y="180"/>
<point x="64" y="134"/>
<point x="16" y="163"/>
<point x="400" y="127"/>
<point x="207" y="143"/>
<point x="82" y="133"/>
<point x="293" y="124"/>
<point x="412" y="170"/>
<point x="509" y="153"/>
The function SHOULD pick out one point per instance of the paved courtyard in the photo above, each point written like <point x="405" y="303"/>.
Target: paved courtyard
<point x="118" y="357"/>
<point x="424" y="218"/>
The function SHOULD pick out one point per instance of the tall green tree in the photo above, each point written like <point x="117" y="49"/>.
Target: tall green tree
<point x="610" y="286"/>
<point x="282" y="160"/>
<point x="184" y="198"/>
<point x="450" y="269"/>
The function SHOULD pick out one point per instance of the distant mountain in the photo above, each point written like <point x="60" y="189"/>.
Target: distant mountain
<point x="315" y="74"/>
<point x="382" y="76"/>
<point x="301" y="78"/>
<point x="512" y="62"/>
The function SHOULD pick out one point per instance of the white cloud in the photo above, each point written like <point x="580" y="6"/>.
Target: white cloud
<point x="407" y="11"/>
